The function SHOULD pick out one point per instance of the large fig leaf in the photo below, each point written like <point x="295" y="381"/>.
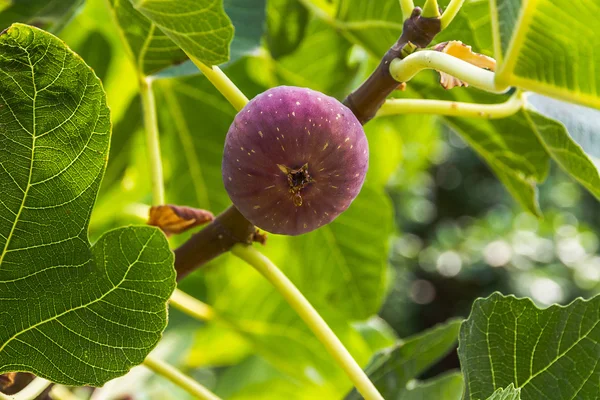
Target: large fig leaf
<point x="549" y="47"/>
<point x="547" y="354"/>
<point x="200" y="27"/>
<point x="70" y="313"/>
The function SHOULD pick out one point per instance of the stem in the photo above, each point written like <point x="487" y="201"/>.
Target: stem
<point x="191" y="306"/>
<point x="451" y="108"/>
<point x="152" y="141"/>
<point x="59" y="392"/>
<point x="31" y="391"/>
<point x="407" y="7"/>
<point x="179" y="378"/>
<point x="450" y="12"/>
<point x="368" y="98"/>
<point x="223" y="84"/>
<point x="431" y="9"/>
<point x="311" y="317"/>
<point x="404" y="70"/>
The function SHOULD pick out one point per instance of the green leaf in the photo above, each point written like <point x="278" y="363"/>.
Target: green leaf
<point x="286" y="26"/>
<point x="49" y="15"/>
<point x="508" y="340"/>
<point x="199" y="27"/>
<point x="150" y="48"/>
<point x="563" y="61"/>
<point x="391" y="369"/>
<point x="510" y="146"/>
<point x="582" y="123"/>
<point x="73" y="314"/>
<point x="155" y="53"/>
<point x="565" y="151"/>
<point x="509" y="393"/>
<point x="448" y="386"/>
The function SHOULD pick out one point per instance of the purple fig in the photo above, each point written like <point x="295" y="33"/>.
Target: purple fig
<point x="294" y="160"/>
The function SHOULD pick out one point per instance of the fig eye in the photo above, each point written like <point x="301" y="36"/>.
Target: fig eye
<point x="312" y="163"/>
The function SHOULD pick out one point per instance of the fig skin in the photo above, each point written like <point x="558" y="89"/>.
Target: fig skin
<point x="294" y="160"/>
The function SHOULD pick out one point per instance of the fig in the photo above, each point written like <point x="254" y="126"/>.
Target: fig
<point x="294" y="160"/>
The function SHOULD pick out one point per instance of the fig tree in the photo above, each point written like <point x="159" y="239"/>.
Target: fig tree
<point x="294" y="160"/>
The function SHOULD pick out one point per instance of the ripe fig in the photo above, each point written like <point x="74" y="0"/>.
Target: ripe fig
<point x="294" y="160"/>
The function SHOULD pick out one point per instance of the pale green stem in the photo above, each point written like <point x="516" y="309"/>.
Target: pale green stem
<point x="431" y="9"/>
<point x="152" y="141"/>
<point x="450" y="12"/>
<point x="405" y="69"/>
<point x="311" y="317"/>
<point x="179" y="378"/>
<point x="223" y="84"/>
<point x="30" y="392"/>
<point x="451" y="108"/>
<point x="59" y="392"/>
<point x="407" y="8"/>
<point x="191" y="306"/>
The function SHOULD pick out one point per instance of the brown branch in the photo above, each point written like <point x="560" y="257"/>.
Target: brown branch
<point x="228" y="229"/>
<point x="368" y="98"/>
<point x="231" y="228"/>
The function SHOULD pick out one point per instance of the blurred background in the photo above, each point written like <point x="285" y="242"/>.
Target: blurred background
<point x="458" y="234"/>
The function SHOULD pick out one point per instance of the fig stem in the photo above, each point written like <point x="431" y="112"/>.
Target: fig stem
<point x="405" y="69"/>
<point x="450" y="12"/>
<point x="407" y="7"/>
<point x="31" y="391"/>
<point x="152" y="141"/>
<point x="179" y="378"/>
<point x="222" y="83"/>
<point x="452" y="108"/>
<point x="191" y="306"/>
<point x="311" y="317"/>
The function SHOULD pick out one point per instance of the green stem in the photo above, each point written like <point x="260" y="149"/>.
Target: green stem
<point x="431" y="9"/>
<point x="407" y="8"/>
<point x="59" y="392"/>
<point x="311" y="317"/>
<point x="451" y="108"/>
<point x="152" y="141"/>
<point x="450" y="12"/>
<point x="223" y="84"/>
<point x="31" y="391"/>
<point x="179" y="378"/>
<point x="191" y="306"/>
<point x="403" y="70"/>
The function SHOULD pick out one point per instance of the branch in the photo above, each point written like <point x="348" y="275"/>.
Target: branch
<point x="404" y="70"/>
<point x="180" y="379"/>
<point x="152" y="141"/>
<point x="451" y="108"/>
<point x="311" y="317"/>
<point x="227" y="230"/>
<point x="368" y="98"/>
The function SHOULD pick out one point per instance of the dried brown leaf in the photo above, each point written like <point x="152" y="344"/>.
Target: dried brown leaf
<point x="178" y="219"/>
